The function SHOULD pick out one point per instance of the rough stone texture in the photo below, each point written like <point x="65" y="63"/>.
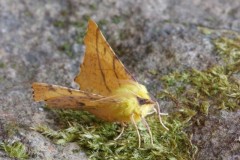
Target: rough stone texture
<point x="219" y="137"/>
<point x="159" y="35"/>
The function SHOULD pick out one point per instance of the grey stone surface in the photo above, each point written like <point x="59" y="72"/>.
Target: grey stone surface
<point x="158" y="35"/>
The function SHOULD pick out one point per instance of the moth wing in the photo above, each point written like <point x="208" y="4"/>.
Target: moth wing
<point x="62" y="97"/>
<point x="101" y="71"/>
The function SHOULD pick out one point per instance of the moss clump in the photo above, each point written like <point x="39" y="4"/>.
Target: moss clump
<point x="199" y="90"/>
<point x="96" y="138"/>
<point x="217" y="86"/>
<point x="15" y="150"/>
<point x="228" y="48"/>
<point x="67" y="49"/>
<point x="2" y="65"/>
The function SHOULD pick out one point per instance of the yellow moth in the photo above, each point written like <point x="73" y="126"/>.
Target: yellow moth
<point x="107" y="89"/>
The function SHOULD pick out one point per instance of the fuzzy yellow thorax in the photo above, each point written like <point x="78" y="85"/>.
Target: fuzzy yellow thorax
<point x="135" y="100"/>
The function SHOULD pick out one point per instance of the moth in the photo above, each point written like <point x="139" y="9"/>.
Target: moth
<point x="107" y="89"/>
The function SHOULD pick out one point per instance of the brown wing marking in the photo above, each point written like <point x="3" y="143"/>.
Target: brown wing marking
<point x="99" y="61"/>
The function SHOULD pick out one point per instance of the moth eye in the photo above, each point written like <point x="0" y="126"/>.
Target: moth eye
<point x="142" y="101"/>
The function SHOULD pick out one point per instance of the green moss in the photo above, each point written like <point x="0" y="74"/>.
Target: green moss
<point x="205" y="30"/>
<point x="64" y="13"/>
<point x="66" y="48"/>
<point x="86" y="17"/>
<point x="11" y="129"/>
<point x="153" y="71"/>
<point x="15" y="150"/>
<point x="228" y="48"/>
<point x="2" y="65"/>
<point x="199" y="90"/>
<point x="60" y="24"/>
<point x="216" y="86"/>
<point x="93" y="6"/>
<point x="102" y="22"/>
<point x="96" y="138"/>
<point x="116" y="19"/>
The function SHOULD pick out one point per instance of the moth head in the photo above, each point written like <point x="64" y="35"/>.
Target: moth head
<point x="146" y="106"/>
<point x="137" y="96"/>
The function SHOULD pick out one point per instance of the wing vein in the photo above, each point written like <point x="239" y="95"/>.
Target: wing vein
<point x="99" y="63"/>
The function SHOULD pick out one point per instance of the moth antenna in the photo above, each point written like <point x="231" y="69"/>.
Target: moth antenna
<point x="132" y="92"/>
<point x="164" y="114"/>
<point x="159" y="116"/>
<point x="136" y="84"/>
<point x="106" y="98"/>
<point x="135" y="125"/>
<point x="148" y="128"/>
<point x="122" y="130"/>
<point x="103" y="98"/>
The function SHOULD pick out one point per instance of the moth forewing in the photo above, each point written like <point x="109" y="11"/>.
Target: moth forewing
<point x="101" y="70"/>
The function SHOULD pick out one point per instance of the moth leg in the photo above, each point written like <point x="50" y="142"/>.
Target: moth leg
<point x="159" y="116"/>
<point x="135" y="125"/>
<point x="122" y="130"/>
<point x="148" y="128"/>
